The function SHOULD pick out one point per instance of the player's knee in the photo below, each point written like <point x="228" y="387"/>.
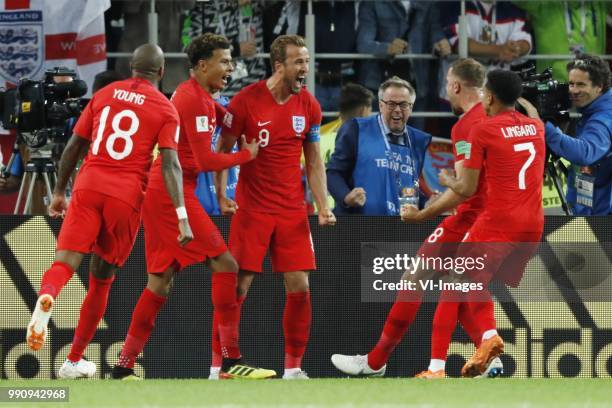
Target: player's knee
<point x="104" y="270"/>
<point x="297" y="283"/>
<point x="160" y="284"/>
<point x="71" y="258"/>
<point x="224" y="263"/>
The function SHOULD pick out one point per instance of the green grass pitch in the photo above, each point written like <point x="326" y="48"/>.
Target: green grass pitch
<point x="345" y="393"/>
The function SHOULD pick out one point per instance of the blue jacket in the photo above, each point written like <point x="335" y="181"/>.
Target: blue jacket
<point x="382" y="21"/>
<point x="342" y="171"/>
<point x="591" y="147"/>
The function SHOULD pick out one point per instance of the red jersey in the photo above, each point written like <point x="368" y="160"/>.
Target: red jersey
<point x="511" y="146"/>
<point x="198" y="116"/>
<point x="124" y="121"/>
<point x="469" y="209"/>
<point x="273" y="181"/>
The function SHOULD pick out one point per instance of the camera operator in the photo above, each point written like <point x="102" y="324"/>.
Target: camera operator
<point x="589" y="187"/>
<point x="22" y="156"/>
<point x="14" y="174"/>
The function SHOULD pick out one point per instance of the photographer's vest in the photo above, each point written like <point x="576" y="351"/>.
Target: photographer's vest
<point x="383" y="169"/>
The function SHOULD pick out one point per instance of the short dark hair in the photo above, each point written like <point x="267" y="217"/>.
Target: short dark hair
<point x="505" y="85"/>
<point x="278" y="49"/>
<point x="597" y="68"/>
<point x="353" y="97"/>
<point x="105" y="78"/>
<point x="469" y="71"/>
<point x="203" y="46"/>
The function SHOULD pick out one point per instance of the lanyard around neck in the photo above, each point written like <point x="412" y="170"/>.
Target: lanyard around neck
<point x="383" y="132"/>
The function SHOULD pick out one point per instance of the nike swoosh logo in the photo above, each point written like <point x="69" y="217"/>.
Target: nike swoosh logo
<point x="263" y="123"/>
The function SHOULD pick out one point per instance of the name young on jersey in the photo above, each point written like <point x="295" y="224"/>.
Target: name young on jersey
<point x="126" y="96"/>
<point x="518" y="131"/>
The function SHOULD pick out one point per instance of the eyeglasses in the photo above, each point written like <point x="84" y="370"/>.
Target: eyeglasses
<point x="402" y="105"/>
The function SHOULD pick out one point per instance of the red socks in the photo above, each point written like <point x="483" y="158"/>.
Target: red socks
<point x="55" y="278"/>
<point x="443" y="326"/>
<point x="143" y="322"/>
<point x="217" y="357"/>
<point x="92" y="311"/>
<point x="400" y="317"/>
<point x="296" y="327"/>
<point x="469" y="324"/>
<point x="475" y="317"/>
<point x="227" y="313"/>
<point x="483" y="313"/>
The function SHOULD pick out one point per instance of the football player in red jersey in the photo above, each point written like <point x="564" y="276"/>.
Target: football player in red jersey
<point x="120" y="126"/>
<point x="284" y="118"/>
<point x="464" y="83"/>
<point x="211" y="64"/>
<point x="511" y="147"/>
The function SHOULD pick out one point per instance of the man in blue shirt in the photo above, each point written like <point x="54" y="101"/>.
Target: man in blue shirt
<point x="589" y="184"/>
<point x="378" y="156"/>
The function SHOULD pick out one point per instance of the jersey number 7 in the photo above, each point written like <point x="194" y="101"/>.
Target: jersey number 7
<point x="521" y="147"/>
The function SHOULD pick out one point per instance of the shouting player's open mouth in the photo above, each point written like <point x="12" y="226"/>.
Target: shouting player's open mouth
<point x="225" y="80"/>
<point x="300" y="82"/>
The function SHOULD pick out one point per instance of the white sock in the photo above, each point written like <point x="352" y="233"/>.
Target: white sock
<point x="215" y="370"/>
<point x="289" y="371"/>
<point x="436" y="365"/>
<point x="488" y="334"/>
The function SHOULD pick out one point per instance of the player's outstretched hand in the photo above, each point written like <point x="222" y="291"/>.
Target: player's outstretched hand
<point x="227" y="206"/>
<point x="58" y="206"/>
<point x="410" y="213"/>
<point x="326" y="217"/>
<point x="446" y="177"/>
<point x="185" y="234"/>
<point x="252" y="146"/>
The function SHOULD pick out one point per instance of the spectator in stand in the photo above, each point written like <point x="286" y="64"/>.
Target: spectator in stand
<point x="566" y="27"/>
<point x="390" y="28"/>
<point x="241" y="21"/>
<point x="496" y="37"/>
<point x="135" y="32"/>
<point x="496" y="33"/>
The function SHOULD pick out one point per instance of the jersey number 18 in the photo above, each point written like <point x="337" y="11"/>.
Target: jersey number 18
<point x="117" y="133"/>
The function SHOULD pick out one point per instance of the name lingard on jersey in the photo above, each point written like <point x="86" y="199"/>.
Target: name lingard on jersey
<point x="519" y="131"/>
<point x="126" y="96"/>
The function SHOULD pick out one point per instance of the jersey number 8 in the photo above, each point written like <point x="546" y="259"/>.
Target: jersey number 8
<point x="117" y="133"/>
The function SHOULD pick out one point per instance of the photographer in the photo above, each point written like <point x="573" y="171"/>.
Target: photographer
<point x="11" y="180"/>
<point x="589" y="187"/>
